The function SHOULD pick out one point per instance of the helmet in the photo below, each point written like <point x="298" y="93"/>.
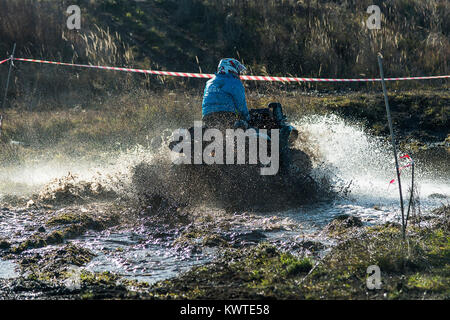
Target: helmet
<point x="229" y="65"/>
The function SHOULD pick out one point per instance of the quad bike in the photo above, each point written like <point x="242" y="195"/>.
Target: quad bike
<point x="237" y="186"/>
<point x="268" y="118"/>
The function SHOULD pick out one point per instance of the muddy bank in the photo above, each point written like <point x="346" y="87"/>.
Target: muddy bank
<point x="251" y="266"/>
<point x="55" y="274"/>
<point x="77" y="240"/>
<point x="413" y="269"/>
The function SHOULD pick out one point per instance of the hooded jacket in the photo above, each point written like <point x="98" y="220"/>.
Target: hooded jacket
<point x="225" y="92"/>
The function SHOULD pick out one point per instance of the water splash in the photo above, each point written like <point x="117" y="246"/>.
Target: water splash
<point x="31" y="176"/>
<point x="346" y="151"/>
<point x="367" y="161"/>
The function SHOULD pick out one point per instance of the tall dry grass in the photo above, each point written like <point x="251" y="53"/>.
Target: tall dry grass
<point x="39" y="30"/>
<point x="313" y="38"/>
<point x="329" y="38"/>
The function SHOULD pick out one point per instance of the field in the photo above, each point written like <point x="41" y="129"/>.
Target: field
<point x="75" y="225"/>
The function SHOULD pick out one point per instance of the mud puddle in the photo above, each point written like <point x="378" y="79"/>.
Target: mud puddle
<point x="138" y="256"/>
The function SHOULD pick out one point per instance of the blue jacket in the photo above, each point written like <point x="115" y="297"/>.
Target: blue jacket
<point x="224" y="92"/>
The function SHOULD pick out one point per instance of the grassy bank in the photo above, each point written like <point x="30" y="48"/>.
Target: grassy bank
<point x="118" y="122"/>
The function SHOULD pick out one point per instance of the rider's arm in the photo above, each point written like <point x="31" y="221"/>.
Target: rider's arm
<point x="239" y="99"/>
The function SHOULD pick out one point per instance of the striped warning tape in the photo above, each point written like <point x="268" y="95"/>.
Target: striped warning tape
<point x="3" y="61"/>
<point x="162" y="73"/>
<point x="207" y="76"/>
<point x="292" y="79"/>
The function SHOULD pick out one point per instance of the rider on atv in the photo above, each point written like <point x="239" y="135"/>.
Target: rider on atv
<point x="273" y="170"/>
<point x="224" y="97"/>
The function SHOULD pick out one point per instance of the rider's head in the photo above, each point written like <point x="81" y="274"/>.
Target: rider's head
<point x="232" y="66"/>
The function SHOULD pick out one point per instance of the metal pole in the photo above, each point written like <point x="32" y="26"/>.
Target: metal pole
<point x="11" y="59"/>
<point x="388" y="111"/>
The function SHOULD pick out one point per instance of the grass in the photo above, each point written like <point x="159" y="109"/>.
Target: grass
<point x="305" y="38"/>
<point x="114" y="124"/>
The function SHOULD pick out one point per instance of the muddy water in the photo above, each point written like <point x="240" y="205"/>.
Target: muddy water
<point x="344" y="152"/>
<point x="138" y="256"/>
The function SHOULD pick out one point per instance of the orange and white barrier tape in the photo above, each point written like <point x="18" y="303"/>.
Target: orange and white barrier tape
<point x="207" y="76"/>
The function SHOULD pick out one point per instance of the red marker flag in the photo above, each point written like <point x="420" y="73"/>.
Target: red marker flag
<point x="403" y="167"/>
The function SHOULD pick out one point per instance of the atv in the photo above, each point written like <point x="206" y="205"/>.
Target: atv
<point x="267" y="120"/>
<point x="237" y="186"/>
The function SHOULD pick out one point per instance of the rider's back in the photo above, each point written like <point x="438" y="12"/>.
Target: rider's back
<point x="224" y="93"/>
